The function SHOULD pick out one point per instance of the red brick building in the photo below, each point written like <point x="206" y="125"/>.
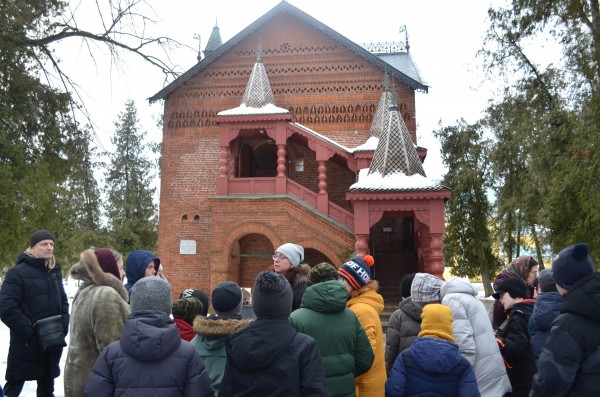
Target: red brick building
<point x="264" y="141"/>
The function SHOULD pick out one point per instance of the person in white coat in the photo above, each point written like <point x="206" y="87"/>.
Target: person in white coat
<point x="475" y="337"/>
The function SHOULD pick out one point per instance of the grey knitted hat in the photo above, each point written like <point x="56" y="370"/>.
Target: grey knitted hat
<point x="271" y="295"/>
<point x="151" y="293"/>
<point x="293" y="252"/>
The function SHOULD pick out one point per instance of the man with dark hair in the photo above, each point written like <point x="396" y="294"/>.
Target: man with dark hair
<point x="33" y="290"/>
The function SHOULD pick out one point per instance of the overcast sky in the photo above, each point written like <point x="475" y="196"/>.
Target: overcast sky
<point x="444" y="38"/>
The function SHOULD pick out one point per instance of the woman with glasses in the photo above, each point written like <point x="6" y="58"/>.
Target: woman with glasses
<point x="523" y="267"/>
<point x="288" y="261"/>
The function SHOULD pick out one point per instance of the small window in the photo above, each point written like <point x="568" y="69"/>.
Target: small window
<point x="299" y="165"/>
<point x="196" y="218"/>
<point x="184" y="218"/>
<point x="187" y="247"/>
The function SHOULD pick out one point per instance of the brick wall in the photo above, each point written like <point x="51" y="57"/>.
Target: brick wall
<point x="327" y="88"/>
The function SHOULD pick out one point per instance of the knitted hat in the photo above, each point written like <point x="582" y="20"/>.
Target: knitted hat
<point x="547" y="283"/>
<point x="271" y="295"/>
<point x="39" y="236"/>
<point x="515" y="286"/>
<point x="436" y="321"/>
<point x="357" y="271"/>
<point x="107" y="262"/>
<point x="151" y="293"/>
<point x="405" y="284"/>
<point x="293" y="252"/>
<point x="425" y="288"/>
<point x="187" y="309"/>
<point x="227" y="299"/>
<point x="322" y="272"/>
<point x="571" y="264"/>
<point x="198" y="294"/>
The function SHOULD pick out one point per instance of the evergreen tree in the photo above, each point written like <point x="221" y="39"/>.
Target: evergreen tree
<point x="468" y="239"/>
<point x="131" y="212"/>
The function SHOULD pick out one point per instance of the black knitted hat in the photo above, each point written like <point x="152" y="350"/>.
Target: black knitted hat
<point x="39" y="236"/>
<point x="271" y="295"/>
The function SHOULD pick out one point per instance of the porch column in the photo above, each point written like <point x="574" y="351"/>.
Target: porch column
<point x="322" y="196"/>
<point x="436" y="255"/>
<point x="223" y="180"/>
<point x="280" y="180"/>
<point x="362" y="245"/>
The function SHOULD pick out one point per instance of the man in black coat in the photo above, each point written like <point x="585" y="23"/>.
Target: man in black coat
<point x="569" y="364"/>
<point x="32" y="290"/>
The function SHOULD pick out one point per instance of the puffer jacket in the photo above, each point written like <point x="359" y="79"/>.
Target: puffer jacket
<point x="30" y="292"/>
<point x="212" y="332"/>
<point x="97" y="318"/>
<point x="150" y="360"/>
<point x="431" y="367"/>
<point x="345" y="348"/>
<point x="570" y="361"/>
<point x="545" y="310"/>
<point x="367" y="304"/>
<point x="270" y="358"/>
<point x="403" y="327"/>
<point x="516" y="349"/>
<point x="475" y="337"/>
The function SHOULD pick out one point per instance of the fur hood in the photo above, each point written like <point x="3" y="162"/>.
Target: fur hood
<point x="370" y="285"/>
<point x="212" y="327"/>
<point x="298" y="275"/>
<point x="89" y="271"/>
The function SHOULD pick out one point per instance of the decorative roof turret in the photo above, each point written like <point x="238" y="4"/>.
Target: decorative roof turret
<point x="396" y="152"/>
<point x="258" y="91"/>
<point x="214" y="41"/>
<point x="258" y="97"/>
<point x="383" y="108"/>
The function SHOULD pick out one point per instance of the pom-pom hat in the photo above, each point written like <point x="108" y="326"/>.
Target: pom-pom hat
<point x="571" y="264"/>
<point x="357" y="271"/>
<point x="271" y="295"/>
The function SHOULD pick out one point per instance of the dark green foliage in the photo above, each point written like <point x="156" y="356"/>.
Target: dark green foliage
<point x="468" y="240"/>
<point x="130" y="208"/>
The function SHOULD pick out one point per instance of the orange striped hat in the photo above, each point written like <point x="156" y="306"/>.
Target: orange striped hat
<point x="357" y="271"/>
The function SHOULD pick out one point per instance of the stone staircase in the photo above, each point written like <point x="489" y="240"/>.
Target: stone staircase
<point x="388" y="309"/>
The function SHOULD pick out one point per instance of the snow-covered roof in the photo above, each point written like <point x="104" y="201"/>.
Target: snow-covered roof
<point x="243" y="109"/>
<point x="397" y="181"/>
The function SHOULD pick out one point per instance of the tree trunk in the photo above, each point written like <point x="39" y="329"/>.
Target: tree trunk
<point x="538" y="248"/>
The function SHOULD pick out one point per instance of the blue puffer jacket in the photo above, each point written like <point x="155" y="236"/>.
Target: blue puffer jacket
<point x="150" y="360"/>
<point x="431" y="367"/>
<point x="545" y="309"/>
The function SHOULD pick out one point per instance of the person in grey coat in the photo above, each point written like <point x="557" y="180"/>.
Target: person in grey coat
<point x="475" y="337"/>
<point x="150" y="359"/>
<point x="404" y="324"/>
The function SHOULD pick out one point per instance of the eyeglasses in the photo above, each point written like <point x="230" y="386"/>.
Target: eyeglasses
<point x="279" y="256"/>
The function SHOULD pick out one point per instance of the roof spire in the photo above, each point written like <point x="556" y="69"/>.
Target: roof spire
<point x="214" y="41"/>
<point x="396" y="152"/>
<point x="258" y="91"/>
<point x="383" y="107"/>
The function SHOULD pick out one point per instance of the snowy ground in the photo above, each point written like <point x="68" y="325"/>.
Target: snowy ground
<point x="30" y="387"/>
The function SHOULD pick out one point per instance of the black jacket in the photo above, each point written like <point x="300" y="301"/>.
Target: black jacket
<point x="516" y="348"/>
<point x="570" y="361"/>
<point x="270" y="358"/>
<point x="31" y="292"/>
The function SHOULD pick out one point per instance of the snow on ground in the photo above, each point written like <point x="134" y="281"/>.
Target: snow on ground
<point x="30" y="387"/>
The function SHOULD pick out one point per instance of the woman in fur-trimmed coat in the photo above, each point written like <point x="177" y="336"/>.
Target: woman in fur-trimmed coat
<point x="98" y="314"/>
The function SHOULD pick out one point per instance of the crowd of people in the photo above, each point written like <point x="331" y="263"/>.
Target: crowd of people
<point x="312" y="331"/>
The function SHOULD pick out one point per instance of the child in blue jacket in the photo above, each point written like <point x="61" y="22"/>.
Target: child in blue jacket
<point x="432" y="364"/>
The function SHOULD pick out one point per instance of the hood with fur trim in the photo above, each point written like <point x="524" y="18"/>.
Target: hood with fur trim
<point x="89" y="271"/>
